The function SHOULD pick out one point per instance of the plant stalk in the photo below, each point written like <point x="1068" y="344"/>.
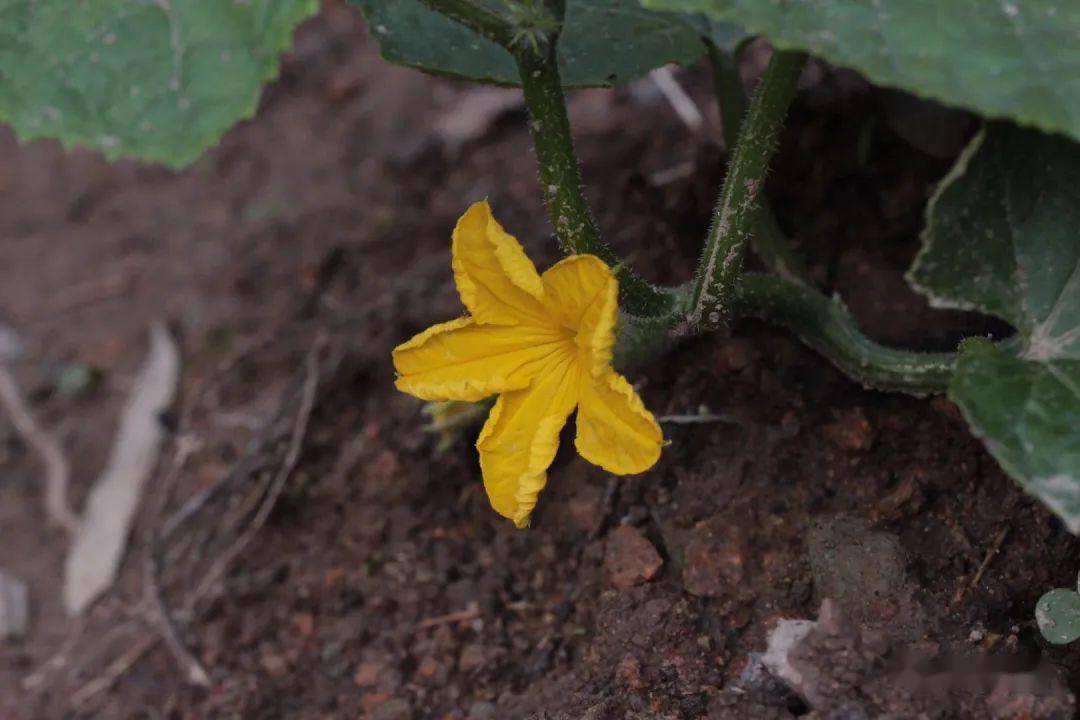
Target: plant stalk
<point x="769" y="241"/>
<point x="828" y="327"/>
<point x="735" y="213"/>
<point x="560" y="180"/>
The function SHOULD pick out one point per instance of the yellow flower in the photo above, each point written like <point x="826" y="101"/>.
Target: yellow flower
<point x="543" y="344"/>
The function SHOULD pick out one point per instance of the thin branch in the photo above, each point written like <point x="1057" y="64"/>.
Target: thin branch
<point x="57" y="470"/>
<point x="292" y="455"/>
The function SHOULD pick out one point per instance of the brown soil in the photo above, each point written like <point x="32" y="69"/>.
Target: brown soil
<point x="382" y="585"/>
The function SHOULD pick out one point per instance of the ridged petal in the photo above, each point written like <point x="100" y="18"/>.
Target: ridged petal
<point x="614" y="430"/>
<point x="461" y="360"/>
<point x="497" y="282"/>
<point x="582" y="294"/>
<point x="521" y="436"/>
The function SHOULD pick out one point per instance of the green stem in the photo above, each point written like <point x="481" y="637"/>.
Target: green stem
<point x="560" y="179"/>
<point x="475" y="17"/>
<point x="734" y="216"/>
<point x="769" y="241"/>
<point x="827" y="326"/>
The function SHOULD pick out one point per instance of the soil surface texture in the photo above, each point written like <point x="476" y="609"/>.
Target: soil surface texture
<point x="321" y="556"/>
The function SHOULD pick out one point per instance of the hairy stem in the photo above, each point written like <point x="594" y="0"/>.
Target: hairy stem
<point x="560" y="179"/>
<point x="827" y="326"/>
<point x="734" y="216"/>
<point x="769" y="241"/>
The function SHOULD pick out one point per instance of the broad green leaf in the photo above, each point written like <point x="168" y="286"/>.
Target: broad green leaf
<point x="1028" y="414"/>
<point x="158" y="80"/>
<point x="603" y="42"/>
<point x="1018" y="59"/>
<point x="1003" y="237"/>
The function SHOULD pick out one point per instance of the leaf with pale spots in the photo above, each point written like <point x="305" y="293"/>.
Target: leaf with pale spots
<point x="158" y="80"/>
<point x="1001" y="237"/>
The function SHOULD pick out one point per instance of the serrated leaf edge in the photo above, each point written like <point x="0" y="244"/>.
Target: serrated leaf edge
<point x="179" y="161"/>
<point x="956" y="172"/>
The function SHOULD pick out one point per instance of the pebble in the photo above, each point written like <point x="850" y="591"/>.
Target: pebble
<point x="851" y="431"/>
<point x="629" y="557"/>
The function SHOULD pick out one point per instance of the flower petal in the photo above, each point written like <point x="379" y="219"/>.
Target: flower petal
<point x="582" y="294"/>
<point x="521" y="436"/>
<point x="496" y="280"/>
<point x="614" y="429"/>
<point x="461" y="360"/>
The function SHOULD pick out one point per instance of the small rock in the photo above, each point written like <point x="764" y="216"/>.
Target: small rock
<point x="630" y="558"/>
<point x="368" y="673"/>
<point x="851" y="431"/>
<point x="275" y="664"/>
<point x="715" y="558"/>
<point x="14" y="606"/>
<point x="304" y="622"/>
<point x="432" y="670"/>
<point x="784" y="637"/>
<point x="585" y="507"/>
<point x="904" y="499"/>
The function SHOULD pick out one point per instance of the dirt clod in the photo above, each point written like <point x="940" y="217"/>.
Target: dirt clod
<point x="863" y="570"/>
<point x="715" y="561"/>
<point x="851" y="431"/>
<point x="629" y="558"/>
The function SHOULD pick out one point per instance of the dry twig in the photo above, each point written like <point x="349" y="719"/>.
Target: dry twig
<point x="57" y="470"/>
<point x="168" y="624"/>
<point x="995" y="547"/>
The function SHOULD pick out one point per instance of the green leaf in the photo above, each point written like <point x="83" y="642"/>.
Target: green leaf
<point x="1058" y="616"/>
<point x="1028" y="414"/>
<point x="603" y="42"/>
<point x="1002" y="237"/>
<point x="158" y="80"/>
<point x="1017" y="59"/>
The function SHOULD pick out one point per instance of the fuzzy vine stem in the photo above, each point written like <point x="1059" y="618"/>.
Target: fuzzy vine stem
<point x="560" y="180"/>
<point x="531" y="34"/>
<point x="734" y="216"/>
<point x="769" y="241"/>
<point x="828" y="327"/>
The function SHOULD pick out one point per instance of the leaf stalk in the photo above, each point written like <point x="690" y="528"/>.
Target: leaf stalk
<point x="736" y="209"/>
<point x="827" y="326"/>
<point x="560" y="180"/>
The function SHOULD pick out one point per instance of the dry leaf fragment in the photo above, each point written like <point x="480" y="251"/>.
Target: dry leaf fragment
<point x="99" y="542"/>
